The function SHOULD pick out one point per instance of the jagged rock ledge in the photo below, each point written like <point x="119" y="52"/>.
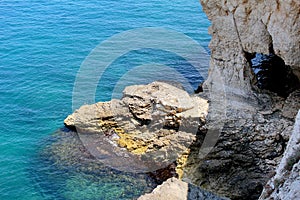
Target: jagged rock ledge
<point x="258" y="121"/>
<point x="150" y="128"/>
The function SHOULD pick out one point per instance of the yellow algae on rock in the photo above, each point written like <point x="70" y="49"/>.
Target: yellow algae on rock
<point x="157" y="121"/>
<point x="140" y="150"/>
<point x="107" y="123"/>
<point x="132" y="144"/>
<point x="119" y="130"/>
<point x="181" y="162"/>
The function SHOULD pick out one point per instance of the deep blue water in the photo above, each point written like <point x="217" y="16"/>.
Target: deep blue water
<point x="42" y="46"/>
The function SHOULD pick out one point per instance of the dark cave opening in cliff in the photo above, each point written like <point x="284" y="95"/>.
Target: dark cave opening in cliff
<point x="273" y="74"/>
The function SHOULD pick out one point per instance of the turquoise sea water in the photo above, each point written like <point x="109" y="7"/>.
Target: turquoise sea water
<point x="42" y="45"/>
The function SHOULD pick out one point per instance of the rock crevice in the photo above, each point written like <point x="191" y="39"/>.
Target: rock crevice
<point x="256" y="125"/>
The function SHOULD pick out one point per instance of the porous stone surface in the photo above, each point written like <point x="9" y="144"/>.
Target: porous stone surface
<point x="249" y="146"/>
<point x="256" y="125"/>
<point x="178" y="190"/>
<point x="147" y="130"/>
<point x="285" y="184"/>
<point x="249" y="26"/>
<point x="292" y="105"/>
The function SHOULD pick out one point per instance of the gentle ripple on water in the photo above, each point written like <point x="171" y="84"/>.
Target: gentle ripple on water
<point x="42" y="45"/>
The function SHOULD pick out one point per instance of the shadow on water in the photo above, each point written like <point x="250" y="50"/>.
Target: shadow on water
<point x="63" y="169"/>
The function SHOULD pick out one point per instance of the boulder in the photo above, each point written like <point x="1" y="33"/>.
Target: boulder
<point x="152" y="125"/>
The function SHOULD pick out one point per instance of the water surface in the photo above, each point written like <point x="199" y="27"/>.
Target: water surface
<point x="42" y="45"/>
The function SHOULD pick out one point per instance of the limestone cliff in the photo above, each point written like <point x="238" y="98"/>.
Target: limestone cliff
<point x="258" y="122"/>
<point x="240" y="27"/>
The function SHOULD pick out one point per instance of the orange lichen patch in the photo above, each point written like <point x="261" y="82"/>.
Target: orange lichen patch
<point x="132" y="144"/>
<point x="181" y="162"/>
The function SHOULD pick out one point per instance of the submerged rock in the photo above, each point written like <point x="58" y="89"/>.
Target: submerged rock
<point x="64" y="169"/>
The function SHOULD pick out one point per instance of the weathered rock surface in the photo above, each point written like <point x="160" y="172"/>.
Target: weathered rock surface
<point x="292" y="105"/>
<point x="240" y="27"/>
<point x="286" y="182"/>
<point x="148" y="129"/>
<point x="256" y="124"/>
<point x="178" y="190"/>
<point x="249" y="147"/>
<point x="156" y="123"/>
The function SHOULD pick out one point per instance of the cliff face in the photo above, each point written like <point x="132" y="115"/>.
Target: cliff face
<point x="258" y="122"/>
<point x="251" y="26"/>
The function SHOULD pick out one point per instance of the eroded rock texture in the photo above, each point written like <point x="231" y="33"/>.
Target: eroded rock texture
<point x="249" y="147"/>
<point x="257" y="123"/>
<point x="286" y="182"/>
<point x="147" y="130"/>
<point x="251" y="26"/>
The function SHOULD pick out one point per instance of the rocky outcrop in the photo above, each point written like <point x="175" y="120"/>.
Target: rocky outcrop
<point x="286" y="182"/>
<point x="178" y="190"/>
<point x="256" y="123"/>
<point x="156" y="125"/>
<point x="249" y="147"/>
<point x="150" y="128"/>
<point x="241" y="27"/>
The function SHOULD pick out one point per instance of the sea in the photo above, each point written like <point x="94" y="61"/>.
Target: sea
<point x="43" y="46"/>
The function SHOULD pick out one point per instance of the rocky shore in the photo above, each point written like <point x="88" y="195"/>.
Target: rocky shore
<point x="259" y="118"/>
<point x="160" y="128"/>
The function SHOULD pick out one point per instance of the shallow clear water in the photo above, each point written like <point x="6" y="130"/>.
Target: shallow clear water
<point x="42" y="45"/>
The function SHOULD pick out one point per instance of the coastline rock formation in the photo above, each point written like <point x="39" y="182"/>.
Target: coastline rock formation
<point x="241" y="28"/>
<point x="150" y="128"/>
<point x="157" y="125"/>
<point x="258" y="122"/>
<point x="249" y="147"/>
